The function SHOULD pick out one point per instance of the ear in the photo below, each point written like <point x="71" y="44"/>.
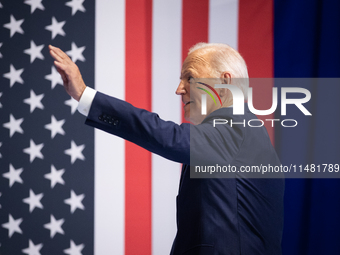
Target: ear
<point x="226" y="79"/>
<point x="226" y="76"/>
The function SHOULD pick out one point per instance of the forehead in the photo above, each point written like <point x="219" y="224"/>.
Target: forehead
<point x="196" y="63"/>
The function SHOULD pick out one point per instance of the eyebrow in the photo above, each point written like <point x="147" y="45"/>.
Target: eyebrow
<point x="185" y="73"/>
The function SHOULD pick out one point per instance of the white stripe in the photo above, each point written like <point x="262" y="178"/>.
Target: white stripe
<point x="223" y="22"/>
<point x="166" y="67"/>
<point x="109" y="150"/>
<point x="204" y="104"/>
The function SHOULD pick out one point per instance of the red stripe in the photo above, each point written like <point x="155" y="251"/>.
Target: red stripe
<point x="137" y="160"/>
<point x="213" y="90"/>
<point x="256" y="45"/>
<point x="195" y="16"/>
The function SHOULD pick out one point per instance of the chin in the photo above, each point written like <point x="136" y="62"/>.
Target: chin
<point x="189" y="119"/>
<point x="192" y="120"/>
<point x="192" y="117"/>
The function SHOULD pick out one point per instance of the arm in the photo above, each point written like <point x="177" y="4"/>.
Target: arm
<point x="146" y="129"/>
<point x="139" y="126"/>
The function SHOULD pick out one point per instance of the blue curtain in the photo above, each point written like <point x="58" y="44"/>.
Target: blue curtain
<point x="307" y="44"/>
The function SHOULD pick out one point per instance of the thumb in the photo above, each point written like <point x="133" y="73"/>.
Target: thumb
<point x="63" y="75"/>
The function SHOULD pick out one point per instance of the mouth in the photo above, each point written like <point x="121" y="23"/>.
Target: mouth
<point x="187" y="103"/>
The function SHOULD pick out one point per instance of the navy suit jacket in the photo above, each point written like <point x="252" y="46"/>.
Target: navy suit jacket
<point x="225" y="216"/>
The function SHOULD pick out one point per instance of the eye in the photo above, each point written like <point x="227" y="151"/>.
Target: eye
<point x="189" y="77"/>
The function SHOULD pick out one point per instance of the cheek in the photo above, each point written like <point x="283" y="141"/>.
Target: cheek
<point x="195" y="109"/>
<point x="211" y="106"/>
<point x="210" y="103"/>
<point x="196" y="97"/>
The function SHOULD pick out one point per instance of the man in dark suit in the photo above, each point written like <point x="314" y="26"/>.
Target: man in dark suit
<point x="231" y="215"/>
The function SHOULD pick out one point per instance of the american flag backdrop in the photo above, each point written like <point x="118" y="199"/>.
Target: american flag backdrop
<point x="66" y="188"/>
<point x="46" y="182"/>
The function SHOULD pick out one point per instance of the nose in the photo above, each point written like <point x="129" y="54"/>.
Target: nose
<point x="180" y="89"/>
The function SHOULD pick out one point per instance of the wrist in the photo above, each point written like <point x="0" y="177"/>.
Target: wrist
<point x="85" y="101"/>
<point x="81" y="92"/>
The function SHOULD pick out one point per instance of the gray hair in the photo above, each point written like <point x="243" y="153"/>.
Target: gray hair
<point x="224" y="58"/>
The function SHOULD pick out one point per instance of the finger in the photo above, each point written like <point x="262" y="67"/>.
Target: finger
<point x="60" y="66"/>
<point x="55" y="56"/>
<point x="63" y="76"/>
<point x="60" y="53"/>
<point x="56" y="51"/>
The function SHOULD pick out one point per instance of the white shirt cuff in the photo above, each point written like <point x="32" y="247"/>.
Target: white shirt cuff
<point x="85" y="101"/>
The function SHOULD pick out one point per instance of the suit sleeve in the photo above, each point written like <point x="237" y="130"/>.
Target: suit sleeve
<point x="141" y="127"/>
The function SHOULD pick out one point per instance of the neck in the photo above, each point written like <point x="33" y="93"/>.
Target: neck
<point x="228" y="102"/>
